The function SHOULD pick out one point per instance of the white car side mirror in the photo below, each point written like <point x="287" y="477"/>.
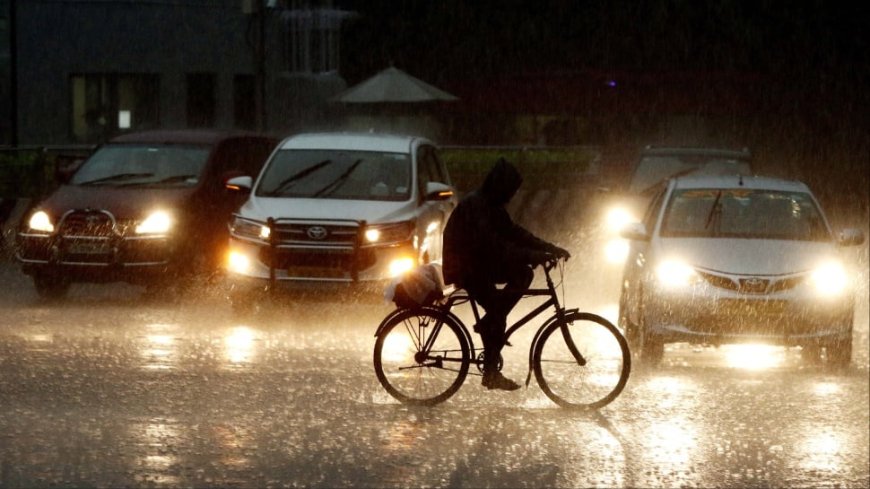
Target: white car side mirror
<point x="438" y="191"/>
<point x="851" y="237"/>
<point x="635" y="231"/>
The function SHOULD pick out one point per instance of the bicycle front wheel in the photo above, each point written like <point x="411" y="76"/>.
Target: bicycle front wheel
<point x="581" y="361"/>
<point x="421" y="357"/>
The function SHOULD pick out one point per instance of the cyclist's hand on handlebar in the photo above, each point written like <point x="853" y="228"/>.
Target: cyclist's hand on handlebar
<point x="561" y="253"/>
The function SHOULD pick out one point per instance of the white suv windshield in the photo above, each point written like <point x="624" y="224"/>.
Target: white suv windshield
<point x="743" y="213"/>
<point x="332" y="174"/>
<point x="143" y="165"/>
<point x="654" y="170"/>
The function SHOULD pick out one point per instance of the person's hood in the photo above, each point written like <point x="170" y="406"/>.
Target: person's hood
<point x="501" y="183"/>
<point x="122" y="202"/>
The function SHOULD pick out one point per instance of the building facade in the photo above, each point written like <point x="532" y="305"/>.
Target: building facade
<point x="81" y="71"/>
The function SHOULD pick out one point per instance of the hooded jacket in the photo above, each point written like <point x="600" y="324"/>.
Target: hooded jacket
<point x="481" y="238"/>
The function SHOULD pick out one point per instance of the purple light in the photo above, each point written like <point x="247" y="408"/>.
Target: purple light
<point x="611" y="83"/>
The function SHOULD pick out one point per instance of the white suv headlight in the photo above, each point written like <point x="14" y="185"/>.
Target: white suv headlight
<point x="389" y="233"/>
<point x="830" y="279"/>
<point x="40" y="221"/>
<point x="158" y="222"/>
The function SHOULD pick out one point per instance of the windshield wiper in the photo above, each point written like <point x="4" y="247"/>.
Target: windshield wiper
<point x="284" y="184"/>
<point x="336" y="184"/>
<point x="715" y="210"/>
<point x="114" y="178"/>
<point x="172" y="179"/>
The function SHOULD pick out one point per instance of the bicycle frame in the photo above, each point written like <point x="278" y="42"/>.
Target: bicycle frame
<point x="553" y="301"/>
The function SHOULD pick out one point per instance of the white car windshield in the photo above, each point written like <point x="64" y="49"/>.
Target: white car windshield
<point x="744" y="213"/>
<point x="332" y="174"/>
<point x="654" y="170"/>
<point x="143" y="165"/>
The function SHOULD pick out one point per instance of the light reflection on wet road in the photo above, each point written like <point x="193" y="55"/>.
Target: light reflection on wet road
<point x="111" y="390"/>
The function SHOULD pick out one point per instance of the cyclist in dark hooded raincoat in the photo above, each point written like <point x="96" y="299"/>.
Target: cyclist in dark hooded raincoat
<point x="483" y="247"/>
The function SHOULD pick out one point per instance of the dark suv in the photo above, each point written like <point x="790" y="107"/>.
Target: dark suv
<point x="144" y="208"/>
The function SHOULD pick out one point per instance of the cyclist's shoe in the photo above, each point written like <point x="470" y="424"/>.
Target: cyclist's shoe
<point x="499" y="381"/>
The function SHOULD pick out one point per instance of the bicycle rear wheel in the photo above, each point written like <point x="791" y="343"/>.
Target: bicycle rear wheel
<point x="421" y="356"/>
<point x="581" y="361"/>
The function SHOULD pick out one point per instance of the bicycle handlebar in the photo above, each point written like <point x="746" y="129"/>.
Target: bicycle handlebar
<point x="551" y="262"/>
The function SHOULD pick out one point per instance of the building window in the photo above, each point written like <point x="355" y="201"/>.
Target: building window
<point x="200" y="99"/>
<point x="104" y="105"/>
<point x="312" y="37"/>
<point x="244" y="103"/>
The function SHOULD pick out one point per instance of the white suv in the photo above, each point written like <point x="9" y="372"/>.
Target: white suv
<point x="340" y="208"/>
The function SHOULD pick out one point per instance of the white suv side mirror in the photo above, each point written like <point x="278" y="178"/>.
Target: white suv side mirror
<point x="242" y="183"/>
<point x="438" y="191"/>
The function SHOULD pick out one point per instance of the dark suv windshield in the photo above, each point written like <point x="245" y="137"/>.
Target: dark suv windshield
<point x="143" y="165"/>
<point x="332" y="174"/>
<point x="743" y="213"/>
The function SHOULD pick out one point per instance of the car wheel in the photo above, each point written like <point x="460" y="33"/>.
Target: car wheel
<point x="51" y="287"/>
<point x="650" y="349"/>
<point x="629" y="328"/>
<point x="811" y="353"/>
<point x="839" y="353"/>
<point x="244" y="302"/>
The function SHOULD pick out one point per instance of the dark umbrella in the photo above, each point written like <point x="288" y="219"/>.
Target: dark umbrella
<point x="390" y="86"/>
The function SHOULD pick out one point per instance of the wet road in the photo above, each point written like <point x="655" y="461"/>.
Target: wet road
<point x="109" y="389"/>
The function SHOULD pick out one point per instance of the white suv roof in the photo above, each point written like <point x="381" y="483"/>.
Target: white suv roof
<point x="391" y="143"/>
<point x="739" y="181"/>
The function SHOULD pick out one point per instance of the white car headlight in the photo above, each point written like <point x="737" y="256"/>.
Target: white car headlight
<point x="40" y="221"/>
<point x="616" y="250"/>
<point x="830" y="279"/>
<point x="158" y="222"/>
<point x="617" y="218"/>
<point x="675" y="273"/>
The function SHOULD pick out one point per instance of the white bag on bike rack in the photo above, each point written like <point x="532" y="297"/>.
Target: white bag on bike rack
<point x="422" y="286"/>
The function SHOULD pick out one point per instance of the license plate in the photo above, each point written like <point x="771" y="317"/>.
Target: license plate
<point x="89" y="248"/>
<point x="762" y="308"/>
<point x="315" y="272"/>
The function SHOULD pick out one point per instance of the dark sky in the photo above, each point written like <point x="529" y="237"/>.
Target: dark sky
<point x="443" y="40"/>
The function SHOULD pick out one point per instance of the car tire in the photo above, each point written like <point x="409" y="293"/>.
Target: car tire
<point x="839" y="352"/>
<point x="51" y="287"/>
<point x="650" y="349"/>
<point x="811" y="354"/>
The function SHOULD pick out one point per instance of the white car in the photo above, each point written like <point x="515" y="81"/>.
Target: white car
<point x="654" y="167"/>
<point x="340" y="208"/>
<point x="725" y="259"/>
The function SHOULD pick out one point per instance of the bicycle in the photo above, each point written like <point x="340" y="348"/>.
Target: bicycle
<point x="422" y="355"/>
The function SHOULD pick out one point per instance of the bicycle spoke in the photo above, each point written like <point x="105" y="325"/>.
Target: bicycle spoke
<point x="410" y="356"/>
<point x="595" y="381"/>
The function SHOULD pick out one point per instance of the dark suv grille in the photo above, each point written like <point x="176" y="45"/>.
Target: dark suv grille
<point x="87" y="223"/>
